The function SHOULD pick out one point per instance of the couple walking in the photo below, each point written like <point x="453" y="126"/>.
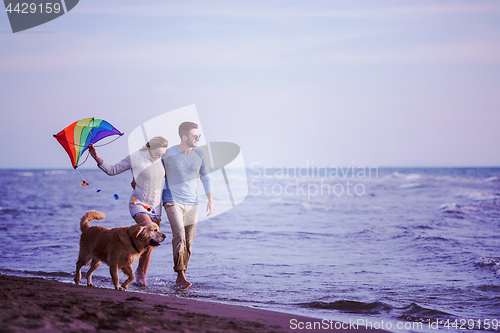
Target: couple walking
<point x="180" y="166"/>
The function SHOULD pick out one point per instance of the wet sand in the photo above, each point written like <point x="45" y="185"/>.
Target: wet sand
<point x="38" y="305"/>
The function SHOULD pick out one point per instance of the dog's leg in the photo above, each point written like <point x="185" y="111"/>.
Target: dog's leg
<point x="78" y="273"/>
<point x="79" y="264"/>
<point x="93" y="266"/>
<point x="113" y="271"/>
<point x="131" y="276"/>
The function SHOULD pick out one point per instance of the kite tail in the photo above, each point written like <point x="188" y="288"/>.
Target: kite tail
<point x="84" y="183"/>
<point x="89" y="216"/>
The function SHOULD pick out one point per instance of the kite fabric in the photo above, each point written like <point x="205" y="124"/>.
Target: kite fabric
<point x="76" y="137"/>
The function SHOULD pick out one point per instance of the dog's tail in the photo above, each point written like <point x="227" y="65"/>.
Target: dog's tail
<point x="89" y="216"/>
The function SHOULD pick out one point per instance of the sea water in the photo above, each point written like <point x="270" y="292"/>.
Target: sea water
<point x="396" y="246"/>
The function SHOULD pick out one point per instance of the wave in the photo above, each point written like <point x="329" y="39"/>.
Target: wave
<point x="49" y="207"/>
<point x="56" y="172"/>
<point x="37" y="273"/>
<point x="412" y="312"/>
<point x="478" y="195"/>
<point x="16" y="211"/>
<point x="492" y="262"/>
<point x="25" y="174"/>
<point x="8" y="210"/>
<point x="432" y="238"/>
<point x="410" y="186"/>
<point x="415" y="312"/>
<point x="492" y="179"/>
<point x="411" y="176"/>
<point x="450" y="208"/>
<point x="350" y="306"/>
<point x="315" y="207"/>
<point x="439" y="175"/>
<point x="280" y="201"/>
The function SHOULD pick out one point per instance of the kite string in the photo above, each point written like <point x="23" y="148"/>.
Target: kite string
<point x="107" y="143"/>
<point x="86" y="158"/>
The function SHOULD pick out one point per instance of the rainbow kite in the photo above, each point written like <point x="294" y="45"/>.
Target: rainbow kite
<point x="76" y="137"/>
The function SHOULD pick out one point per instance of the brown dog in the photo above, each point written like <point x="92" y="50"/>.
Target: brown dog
<point x="117" y="247"/>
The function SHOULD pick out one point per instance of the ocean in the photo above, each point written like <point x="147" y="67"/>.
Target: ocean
<point x="403" y="249"/>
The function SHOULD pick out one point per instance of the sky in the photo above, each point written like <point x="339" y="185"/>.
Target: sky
<point x="293" y="83"/>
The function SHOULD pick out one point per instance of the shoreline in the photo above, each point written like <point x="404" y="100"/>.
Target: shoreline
<point x="39" y="305"/>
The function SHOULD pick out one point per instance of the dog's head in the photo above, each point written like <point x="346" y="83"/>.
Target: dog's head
<point x="147" y="233"/>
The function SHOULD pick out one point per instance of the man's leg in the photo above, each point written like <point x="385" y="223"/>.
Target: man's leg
<point x="175" y="214"/>
<point x="191" y="223"/>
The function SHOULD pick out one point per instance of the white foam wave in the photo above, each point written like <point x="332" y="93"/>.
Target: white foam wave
<point x="280" y="201"/>
<point x="410" y="185"/>
<point x="396" y="175"/>
<point x="450" y="208"/>
<point x="55" y="172"/>
<point x="411" y="176"/>
<point x="315" y="206"/>
<point x="26" y="174"/>
<point x="494" y="263"/>
<point x="492" y="179"/>
<point x="478" y="196"/>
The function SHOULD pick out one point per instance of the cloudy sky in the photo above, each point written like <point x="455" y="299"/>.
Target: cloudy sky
<point x="379" y="83"/>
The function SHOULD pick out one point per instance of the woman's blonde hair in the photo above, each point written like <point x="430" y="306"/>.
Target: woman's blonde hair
<point x="156" y="142"/>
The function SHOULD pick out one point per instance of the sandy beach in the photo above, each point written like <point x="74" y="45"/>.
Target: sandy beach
<point x="38" y="305"/>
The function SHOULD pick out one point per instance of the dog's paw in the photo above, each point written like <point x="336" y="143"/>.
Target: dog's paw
<point x="120" y="288"/>
<point x="91" y="285"/>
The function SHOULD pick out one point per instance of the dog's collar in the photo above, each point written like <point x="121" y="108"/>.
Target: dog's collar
<point x="133" y="244"/>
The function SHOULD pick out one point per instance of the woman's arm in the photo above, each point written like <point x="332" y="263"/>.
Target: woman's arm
<point x="116" y="169"/>
<point x="110" y="170"/>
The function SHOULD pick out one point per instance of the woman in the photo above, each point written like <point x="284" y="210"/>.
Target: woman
<point x="149" y="174"/>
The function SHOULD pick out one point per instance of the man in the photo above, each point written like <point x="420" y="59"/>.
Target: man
<point x="184" y="165"/>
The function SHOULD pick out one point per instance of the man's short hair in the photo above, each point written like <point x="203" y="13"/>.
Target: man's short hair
<point x="185" y="127"/>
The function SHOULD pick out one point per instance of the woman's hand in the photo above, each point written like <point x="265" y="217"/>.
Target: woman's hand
<point x="94" y="154"/>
